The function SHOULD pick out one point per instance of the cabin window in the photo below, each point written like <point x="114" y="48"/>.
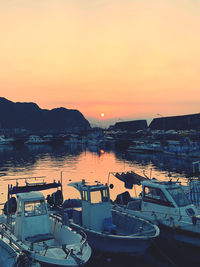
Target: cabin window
<point x="85" y="196"/>
<point x="19" y="211"/>
<point x="32" y="208"/>
<point x="179" y="196"/>
<point x="95" y="197"/>
<point x="104" y="195"/>
<point x="155" y="194"/>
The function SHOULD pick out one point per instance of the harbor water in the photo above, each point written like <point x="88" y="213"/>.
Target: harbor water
<point x="74" y="163"/>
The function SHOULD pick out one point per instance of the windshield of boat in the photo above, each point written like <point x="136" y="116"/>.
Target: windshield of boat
<point x="99" y="196"/>
<point x="179" y="196"/>
<point x="155" y="194"/>
<point x="32" y="208"/>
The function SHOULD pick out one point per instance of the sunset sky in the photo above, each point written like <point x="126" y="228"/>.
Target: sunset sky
<point x="124" y="58"/>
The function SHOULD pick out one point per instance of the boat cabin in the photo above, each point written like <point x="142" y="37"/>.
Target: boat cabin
<point x="166" y="197"/>
<point x="32" y="219"/>
<point x="96" y="206"/>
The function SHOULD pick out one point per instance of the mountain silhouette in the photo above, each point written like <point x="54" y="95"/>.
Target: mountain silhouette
<point x="30" y="116"/>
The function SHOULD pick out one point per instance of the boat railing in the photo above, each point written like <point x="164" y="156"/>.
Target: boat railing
<point x="166" y="216"/>
<point x="5" y="232"/>
<point x="83" y="241"/>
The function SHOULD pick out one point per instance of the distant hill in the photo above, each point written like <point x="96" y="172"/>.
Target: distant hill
<point x="134" y="125"/>
<point x="29" y="116"/>
<point x="184" y="122"/>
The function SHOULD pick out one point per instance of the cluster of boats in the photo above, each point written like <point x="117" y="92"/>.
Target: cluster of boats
<point x="177" y="148"/>
<point x="89" y="140"/>
<point x="37" y="231"/>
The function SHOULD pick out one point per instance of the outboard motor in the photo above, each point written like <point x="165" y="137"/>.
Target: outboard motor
<point x="72" y="203"/>
<point x="123" y="198"/>
<point x="49" y="200"/>
<point x="10" y="206"/>
<point x="56" y="199"/>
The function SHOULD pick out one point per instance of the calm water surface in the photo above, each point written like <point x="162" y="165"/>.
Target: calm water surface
<point x="91" y="164"/>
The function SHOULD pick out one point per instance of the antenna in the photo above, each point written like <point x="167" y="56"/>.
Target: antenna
<point x="61" y="182"/>
<point x="146" y="175"/>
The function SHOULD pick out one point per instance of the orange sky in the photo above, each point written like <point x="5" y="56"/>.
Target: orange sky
<point x="126" y="58"/>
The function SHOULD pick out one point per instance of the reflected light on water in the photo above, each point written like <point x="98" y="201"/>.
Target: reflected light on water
<point x="75" y="166"/>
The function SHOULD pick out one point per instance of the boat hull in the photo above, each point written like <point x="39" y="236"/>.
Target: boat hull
<point x="8" y="256"/>
<point x="115" y="244"/>
<point x="53" y="262"/>
<point x="183" y="243"/>
<point x="70" y="256"/>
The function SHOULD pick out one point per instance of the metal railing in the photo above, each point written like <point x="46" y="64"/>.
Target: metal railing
<point x="157" y="215"/>
<point x="6" y="232"/>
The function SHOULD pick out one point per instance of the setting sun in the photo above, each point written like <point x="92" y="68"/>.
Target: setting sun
<point x="102" y="114"/>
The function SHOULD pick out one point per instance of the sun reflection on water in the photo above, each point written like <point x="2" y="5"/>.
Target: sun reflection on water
<point x="75" y="165"/>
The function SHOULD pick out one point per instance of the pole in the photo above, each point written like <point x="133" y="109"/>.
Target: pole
<point x="61" y="182"/>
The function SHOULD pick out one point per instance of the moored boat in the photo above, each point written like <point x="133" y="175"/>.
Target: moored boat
<point x="26" y="226"/>
<point x="166" y="204"/>
<point x="110" y="231"/>
<point x="36" y="140"/>
<point x="6" y="141"/>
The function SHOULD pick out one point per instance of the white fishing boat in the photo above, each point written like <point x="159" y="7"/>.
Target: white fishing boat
<point x="41" y="237"/>
<point x="166" y="204"/>
<point x="5" y="141"/>
<point x="110" y="231"/>
<point x="36" y="140"/>
<point x="142" y="147"/>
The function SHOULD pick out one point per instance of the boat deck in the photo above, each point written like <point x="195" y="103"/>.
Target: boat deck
<point x="125" y="225"/>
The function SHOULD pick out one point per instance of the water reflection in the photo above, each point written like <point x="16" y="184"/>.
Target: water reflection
<point x="161" y="162"/>
<point x="77" y="162"/>
<point x="4" y="148"/>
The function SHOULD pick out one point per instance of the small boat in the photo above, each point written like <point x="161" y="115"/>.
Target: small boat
<point x="166" y="204"/>
<point x="27" y="226"/>
<point x="6" y="141"/>
<point x="142" y="147"/>
<point x="36" y="140"/>
<point x="109" y="231"/>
